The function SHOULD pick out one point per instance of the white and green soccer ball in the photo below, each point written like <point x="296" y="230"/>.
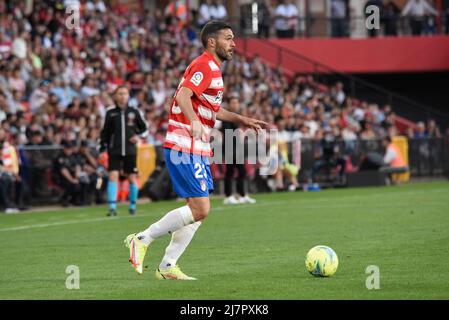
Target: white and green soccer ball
<point x="321" y="261"/>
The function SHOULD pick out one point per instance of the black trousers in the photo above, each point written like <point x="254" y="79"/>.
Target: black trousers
<point x="75" y="193"/>
<point x="416" y="25"/>
<point x="5" y="199"/>
<point x="290" y="33"/>
<point x="229" y="178"/>
<point x="447" y="23"/>
<point x="339" y="28"/>
<point x="11" y="187"/>
<point x="328" y="164"/>
<point x="264" y="31"/>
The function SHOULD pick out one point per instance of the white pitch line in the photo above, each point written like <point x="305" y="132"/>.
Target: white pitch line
<point x="61" y="223"/>
<point x="297" y="202"/>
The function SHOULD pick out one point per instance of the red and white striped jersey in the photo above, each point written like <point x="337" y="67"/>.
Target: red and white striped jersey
<point x="203" y="77"/>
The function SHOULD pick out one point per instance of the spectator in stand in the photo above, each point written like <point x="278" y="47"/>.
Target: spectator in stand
<point x="328" y="156"/>
<point x="420" y="130"/>
<point x="446" y="15"/>
<point x="39" y="96"/>
<point x="391" y="15"/>
<point x="7" y="156"/>
<point x="417" y="10"/>
<point x="433" y="130"/>
<point x="264" y="18"/>
<point x="338" y="94"/>
<point x="4" y="109"/>
<point x="204" y="13"/>
<point x="5" y="47"/>
<point x="286" y="19"/>
<point x="177" y="10"/>
<point x="218" y="11"/>
<point x="339" y="18"/>
<point x="38" y="162"/>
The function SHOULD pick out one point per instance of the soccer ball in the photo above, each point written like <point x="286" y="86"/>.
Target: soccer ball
<point x="321" y="261"/>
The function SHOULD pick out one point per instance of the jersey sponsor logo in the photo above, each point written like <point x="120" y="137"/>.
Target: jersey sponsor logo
<point x="219" y="97"/>
<point x="215" y="100"/>
<point x="197" y="78"/>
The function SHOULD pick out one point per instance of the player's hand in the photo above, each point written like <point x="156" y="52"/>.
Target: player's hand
<point x="134" y="139"/>
<point x="254" y="123"/>
<point x="197" y="130"/>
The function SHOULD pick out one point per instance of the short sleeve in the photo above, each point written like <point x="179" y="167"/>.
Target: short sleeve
<point x="198" y="78"/>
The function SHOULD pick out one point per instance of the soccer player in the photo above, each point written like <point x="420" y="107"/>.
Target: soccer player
<point x="195" y="107"/>
<point x="122" y="126"/>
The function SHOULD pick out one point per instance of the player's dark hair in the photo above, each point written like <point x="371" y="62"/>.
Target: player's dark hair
<point x="210" y="30"/>
<point x="388" y="139"/>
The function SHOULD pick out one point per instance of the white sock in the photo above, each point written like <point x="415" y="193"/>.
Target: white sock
<point x="180" y="239"/>
<point x="169" y="223"/>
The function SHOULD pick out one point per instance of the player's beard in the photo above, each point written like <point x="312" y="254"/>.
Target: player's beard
<point x="223" y="54"/>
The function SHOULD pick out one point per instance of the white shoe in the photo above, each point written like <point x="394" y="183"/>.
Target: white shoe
<point x="230" y="200"/>
<point x="247" y="199"/>
<point x="292" y="188"/>
<point x="11" y="210"/>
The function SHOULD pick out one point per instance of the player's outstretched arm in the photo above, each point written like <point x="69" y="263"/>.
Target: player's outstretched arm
<point x="225" y="115"/>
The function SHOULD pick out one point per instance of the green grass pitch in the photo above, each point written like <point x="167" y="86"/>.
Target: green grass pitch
<point x="242" y="251"/>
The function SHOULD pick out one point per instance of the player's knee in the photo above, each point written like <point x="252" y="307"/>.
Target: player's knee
<point x="200" y="214"/>
<point x="200" y="211"/>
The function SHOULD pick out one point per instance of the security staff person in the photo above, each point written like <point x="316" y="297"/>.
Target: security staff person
<point x="67" y="175"/>
<point x="122" y="126"/>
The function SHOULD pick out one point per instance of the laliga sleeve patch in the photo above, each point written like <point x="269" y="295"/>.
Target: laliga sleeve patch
<point x="197" y="78"/>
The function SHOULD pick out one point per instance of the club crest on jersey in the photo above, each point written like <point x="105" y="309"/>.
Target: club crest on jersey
<point x="203" y="185"/>
<point x="197" y="78"/>
<point x="131" y="118"/>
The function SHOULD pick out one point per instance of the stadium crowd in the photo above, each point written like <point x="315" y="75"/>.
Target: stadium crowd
<point x="56" y="83"/>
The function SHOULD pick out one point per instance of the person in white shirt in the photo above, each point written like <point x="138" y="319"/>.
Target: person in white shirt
<point x="286" y="19"/>
<point x="417" y="10"/>
<point x="218" y="11"/>
<point x="204" y="13"/>
<point x="19" y="46"/>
